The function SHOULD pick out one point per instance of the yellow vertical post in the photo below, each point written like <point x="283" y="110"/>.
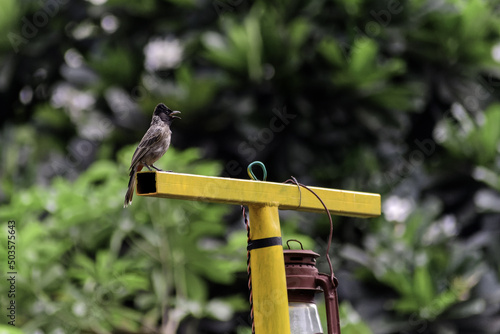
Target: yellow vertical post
<point x="270" y="300"/>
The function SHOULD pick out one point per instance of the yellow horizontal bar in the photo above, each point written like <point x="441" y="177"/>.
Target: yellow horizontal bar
<point x="250" y="192"/>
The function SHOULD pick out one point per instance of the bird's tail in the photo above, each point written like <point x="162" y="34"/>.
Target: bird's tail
<point x="131" y="185"/>
<point x="130" y="190"/>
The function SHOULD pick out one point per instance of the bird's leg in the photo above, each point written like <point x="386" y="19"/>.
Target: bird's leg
<point x="147" y="166"/>
<point x="158" y="169"/>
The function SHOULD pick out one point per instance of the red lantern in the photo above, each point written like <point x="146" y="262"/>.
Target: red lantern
<point x="303" y="282"/>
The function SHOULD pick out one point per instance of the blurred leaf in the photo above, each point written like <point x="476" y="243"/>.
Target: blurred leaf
<point x="330" y="49"/>
<point x="197" y="288"/>
<point x="114" y="65"/>
<point x="472" y="27"/>
<point x="8" y="329"/>
<point x="363" y="56"/>
<point x="423" y="285"/>
<point x="476" y="142"/>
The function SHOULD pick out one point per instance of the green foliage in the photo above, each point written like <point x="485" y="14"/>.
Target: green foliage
<point x="8" y="15"/>
<point x="467" y="139"/>
<point x="8" y="329"/>
<point x="115" y="65"/>
<point x="432" y="275"/>
<point x="461" y="38"/>
<point x="351" y="321"/>
<point x="86" y="263"/>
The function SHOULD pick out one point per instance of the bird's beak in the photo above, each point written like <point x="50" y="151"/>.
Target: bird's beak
<point x="175" y="112"/>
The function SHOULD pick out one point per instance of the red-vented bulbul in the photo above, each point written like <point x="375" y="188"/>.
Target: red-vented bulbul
<point x="152" y="147"/>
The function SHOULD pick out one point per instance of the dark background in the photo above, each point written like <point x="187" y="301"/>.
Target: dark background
<point x="393" y="97"/>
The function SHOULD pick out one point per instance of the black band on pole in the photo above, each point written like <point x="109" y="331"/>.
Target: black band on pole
<point x="265" y="242"/>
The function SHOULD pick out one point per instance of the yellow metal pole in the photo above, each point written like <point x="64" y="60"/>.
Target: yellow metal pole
<point x="270" y="300"/>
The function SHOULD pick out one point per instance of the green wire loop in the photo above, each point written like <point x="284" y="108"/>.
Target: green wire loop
<point x="252" y="175"/>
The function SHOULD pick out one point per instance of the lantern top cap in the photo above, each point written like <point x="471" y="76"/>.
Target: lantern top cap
<point x="297" y="256"/>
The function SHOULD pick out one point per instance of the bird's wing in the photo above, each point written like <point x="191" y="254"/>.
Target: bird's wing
<point x="153" y="135"/>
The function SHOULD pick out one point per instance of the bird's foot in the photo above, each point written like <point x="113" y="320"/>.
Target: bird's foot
<point x="158" y="169"/>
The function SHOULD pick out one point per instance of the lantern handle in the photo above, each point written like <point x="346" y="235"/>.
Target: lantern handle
<point x="329" y="287"/>
<point x="300" y="243"/>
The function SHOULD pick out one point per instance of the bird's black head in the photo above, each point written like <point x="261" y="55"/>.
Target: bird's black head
<point x="165" y="113"/>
